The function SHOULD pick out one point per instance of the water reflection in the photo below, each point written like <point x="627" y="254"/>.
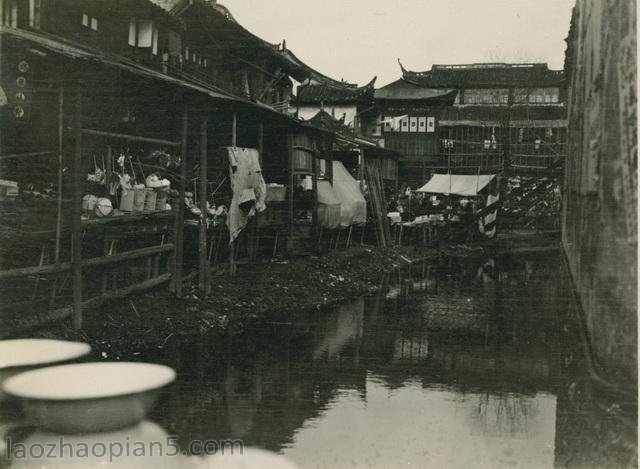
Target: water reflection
<point x="453" y="363"/>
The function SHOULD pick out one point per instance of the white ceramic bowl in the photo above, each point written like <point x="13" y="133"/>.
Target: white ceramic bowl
<point x="89" y="397"/>
<point x="19" y="355"/>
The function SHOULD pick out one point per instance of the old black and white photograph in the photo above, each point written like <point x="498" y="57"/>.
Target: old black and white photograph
<point x="298" y="234"/>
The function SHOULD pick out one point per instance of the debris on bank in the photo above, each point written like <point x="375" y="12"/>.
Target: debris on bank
<point x="126" y="328"/>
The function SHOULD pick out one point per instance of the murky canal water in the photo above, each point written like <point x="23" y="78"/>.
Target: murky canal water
<point x="453" y="363"/>
<point x="456" y="363"/>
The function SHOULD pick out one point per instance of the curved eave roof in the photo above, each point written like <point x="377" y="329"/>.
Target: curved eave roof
<point x="222" y="22"/>
<point x="404" y="90"/>
<point x="486" y="76"/>
<point x="343" y="93"/>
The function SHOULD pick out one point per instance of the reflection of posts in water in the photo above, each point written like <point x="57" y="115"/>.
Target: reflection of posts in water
<point x="241" y="404"/>
<point x="507" y="413"/>
<point x="346" y="326"/>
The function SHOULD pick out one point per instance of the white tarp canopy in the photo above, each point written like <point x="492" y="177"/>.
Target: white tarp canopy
<point x="457" y="184"/>
<point x="328" y="206"/>
<point x="353" y="207"/>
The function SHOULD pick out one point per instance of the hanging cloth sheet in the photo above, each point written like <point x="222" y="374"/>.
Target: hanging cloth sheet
<point x="248" y="186"/>
<point x="328" y="206"/>
<point x="353" y="207"/>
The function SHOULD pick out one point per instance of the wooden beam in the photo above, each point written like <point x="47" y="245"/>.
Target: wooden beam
<point x="65" y="312"/>
<point x="202" y="232"/>
<point x="76" y="213"/>
<point x="23" y="155"/>
<point x="130" y="138"/>
<point x="127" y="219"/>
<point x="35" y="270"/>
<point x="125" y="256"/>
<point x="92" y="262"/>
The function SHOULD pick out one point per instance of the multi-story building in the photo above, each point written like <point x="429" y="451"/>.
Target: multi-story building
<point x="474" y="118"/>
<point x="100" y="97"/>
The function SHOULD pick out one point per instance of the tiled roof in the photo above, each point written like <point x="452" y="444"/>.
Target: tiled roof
<point x="222" y="24"/>
<point x="484" y="75"/>
<point x="323" y="120"/>
<point x="339" y="93"/>
<point x="404" y="90"/>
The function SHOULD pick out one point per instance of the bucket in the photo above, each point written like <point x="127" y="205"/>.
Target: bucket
<point x="150" y="200"/>
<point x="127" y="197"/>
<point x="139" y="195"/>
<point x="161" y="200"/>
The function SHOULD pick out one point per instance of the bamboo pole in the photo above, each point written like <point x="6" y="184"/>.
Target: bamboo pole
<point x="179" y="210"/>
<point x="76" y="226"/>
<point x="202" y="234"/>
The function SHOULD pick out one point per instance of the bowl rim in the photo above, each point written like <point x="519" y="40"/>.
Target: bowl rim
<point x="42" y="396"/>
<point x="83" y="349"/>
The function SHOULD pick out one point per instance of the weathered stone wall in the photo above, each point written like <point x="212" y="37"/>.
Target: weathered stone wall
<point x="600" y="188"/>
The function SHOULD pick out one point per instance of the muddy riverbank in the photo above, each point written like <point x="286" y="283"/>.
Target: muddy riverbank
<point x="124" y="329"/>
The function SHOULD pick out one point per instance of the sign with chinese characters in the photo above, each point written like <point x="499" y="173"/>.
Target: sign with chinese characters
<point x="405" y="123"/>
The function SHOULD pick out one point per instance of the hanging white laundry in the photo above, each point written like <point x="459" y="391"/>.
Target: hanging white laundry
<point x="248" y="186"/>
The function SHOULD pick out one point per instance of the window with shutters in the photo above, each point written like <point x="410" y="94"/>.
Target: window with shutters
<point x="89" y="22"/>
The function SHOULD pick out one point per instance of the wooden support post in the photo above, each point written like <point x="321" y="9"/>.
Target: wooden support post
<point x="234" y="142"/>
<point x="275" y="245"/>
<point x="202" y="233"/>
<point x="260" y="141"/>
<point x="291" y="183"/>
<point x="234" y="129"/>
<point x="56" y="254"/>
<point x="179" y="210"/>
<point x="76" y="225"/>
<point x="361" y="168"/>
<point x="256" y="230"/>
<point x="314" y="187"/>
<point x="60" y="166"/>
<point x="105" y="252"/>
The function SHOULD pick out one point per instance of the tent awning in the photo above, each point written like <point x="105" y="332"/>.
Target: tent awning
<point x="458" y="184"/>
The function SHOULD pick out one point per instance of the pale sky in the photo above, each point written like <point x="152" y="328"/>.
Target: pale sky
<point x="358" y="39"/>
